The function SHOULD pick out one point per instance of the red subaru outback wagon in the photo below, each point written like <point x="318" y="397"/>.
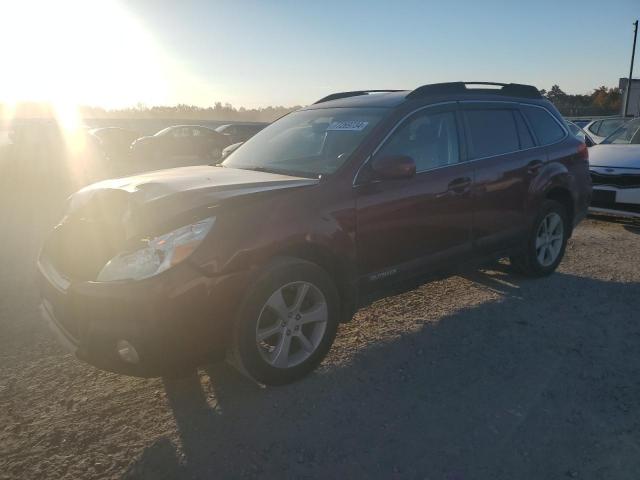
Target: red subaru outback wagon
<point x="331" y="206"/>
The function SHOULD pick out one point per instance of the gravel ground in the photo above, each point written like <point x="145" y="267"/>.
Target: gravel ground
<point x="487" y="375"/>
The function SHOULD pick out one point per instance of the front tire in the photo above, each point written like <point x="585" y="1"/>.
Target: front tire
<point x="547" y="241"/>
<point x="286" y="323"/>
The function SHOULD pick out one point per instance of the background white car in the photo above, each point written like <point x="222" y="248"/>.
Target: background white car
<point x="615" y="172"/>
<point x="598" y="130"/>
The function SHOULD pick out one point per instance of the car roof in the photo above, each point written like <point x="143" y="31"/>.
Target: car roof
<point x="431" y="93"/>
<point x="380" y="99"/>
<point x="110" y="129"/>
<point x="243" y="124"/>
<point x="189" y="126"/>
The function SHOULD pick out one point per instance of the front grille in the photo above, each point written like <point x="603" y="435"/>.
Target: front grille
<point x="603" y="196"/>
<point x="621" y="180"/>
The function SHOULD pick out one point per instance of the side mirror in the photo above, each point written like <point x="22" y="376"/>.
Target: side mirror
<point x="588" y="141"/>
<point x="393" y="167"/>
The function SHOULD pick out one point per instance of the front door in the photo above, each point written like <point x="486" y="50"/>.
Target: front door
<point x="407" y="226"/>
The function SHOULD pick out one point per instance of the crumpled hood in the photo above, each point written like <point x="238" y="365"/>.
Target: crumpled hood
<point x="615" y="156"/>
<point x="141" y="201"/>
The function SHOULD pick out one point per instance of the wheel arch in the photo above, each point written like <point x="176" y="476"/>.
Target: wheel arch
<point x="562" y="195"/>
<point x="341" y="271"/>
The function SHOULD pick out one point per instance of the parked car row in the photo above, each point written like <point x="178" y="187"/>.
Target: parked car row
<point x="601" y="129"/>
<point x="118" y="143"/>
<point x="197" y="140"/>
<point x="614" y="159"/>
<point x="615" y="172"/>
<point x="114" y="141"/>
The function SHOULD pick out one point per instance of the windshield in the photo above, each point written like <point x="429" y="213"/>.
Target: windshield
<point x="627" y="133"/>
<point x="307" y="142"/>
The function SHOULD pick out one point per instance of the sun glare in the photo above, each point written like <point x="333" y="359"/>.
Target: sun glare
<point x="76" y="51"/>
<point x="70" y="52"/>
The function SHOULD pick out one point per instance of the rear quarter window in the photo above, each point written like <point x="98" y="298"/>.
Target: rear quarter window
<point x="526" y="141"/>
<point x="545" y="127"/>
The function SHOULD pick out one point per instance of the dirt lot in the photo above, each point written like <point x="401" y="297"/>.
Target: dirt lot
<point x="482" y="376"/>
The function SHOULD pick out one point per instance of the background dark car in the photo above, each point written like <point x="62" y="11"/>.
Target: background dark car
<point x="240" y="132"/>
<point x="115" y="142"/>
<point x="191" y="140"/>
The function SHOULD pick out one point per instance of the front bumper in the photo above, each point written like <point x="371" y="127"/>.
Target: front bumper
<point x="614" y="200"/>
<point x="175" y="320"/>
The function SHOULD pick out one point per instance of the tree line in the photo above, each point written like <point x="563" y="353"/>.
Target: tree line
<point x="219" y="111"/>
<point x="602" y="101"/>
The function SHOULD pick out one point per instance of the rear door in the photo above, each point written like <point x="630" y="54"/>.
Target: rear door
<point x="406" y="226"/>
<point x="505" y="161"/>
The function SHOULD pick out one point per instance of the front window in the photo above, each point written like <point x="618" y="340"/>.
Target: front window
<point x="627" y="133"/>
<point x="307" y="142"/>
<point x="430" y="139"/>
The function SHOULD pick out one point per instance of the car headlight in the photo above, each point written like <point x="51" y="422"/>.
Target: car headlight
<point x="158" y="254"/>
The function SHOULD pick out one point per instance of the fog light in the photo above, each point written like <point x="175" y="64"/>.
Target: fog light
<point x="126" y="352"/>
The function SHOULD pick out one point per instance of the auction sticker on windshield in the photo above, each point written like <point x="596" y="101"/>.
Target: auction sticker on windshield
<point x="348" y="125"/>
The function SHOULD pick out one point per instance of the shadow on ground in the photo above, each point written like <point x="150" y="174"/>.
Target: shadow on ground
<point x="529" y="386"/>
<point x="631" y="225"/>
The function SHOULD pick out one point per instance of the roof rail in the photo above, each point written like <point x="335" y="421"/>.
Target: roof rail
<point x="509" y="89"/>
<point x="356" y="93"/>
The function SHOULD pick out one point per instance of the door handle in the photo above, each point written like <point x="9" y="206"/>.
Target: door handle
<point x="459" y="186"/>
<point x="534" y="166"/>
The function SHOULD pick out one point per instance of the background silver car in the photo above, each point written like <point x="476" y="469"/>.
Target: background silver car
<point x="602" y="128"/>
<point x="615" y="172"/>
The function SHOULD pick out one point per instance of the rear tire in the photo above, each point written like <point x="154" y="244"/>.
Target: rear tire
<point x="286" y="323"/>
<point x="546" y="243"/>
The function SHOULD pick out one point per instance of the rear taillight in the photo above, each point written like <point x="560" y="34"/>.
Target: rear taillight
<point x="583" y="152"/>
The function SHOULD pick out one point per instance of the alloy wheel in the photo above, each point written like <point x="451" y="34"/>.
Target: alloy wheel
<point x="549" y="238"/>
<point x="292" y="324"/>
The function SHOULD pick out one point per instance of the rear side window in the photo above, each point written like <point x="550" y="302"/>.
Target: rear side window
<point x="491" y="132"/>
<point x="545" y="127"/>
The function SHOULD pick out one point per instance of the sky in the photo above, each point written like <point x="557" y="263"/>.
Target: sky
<point x="117" y="53"/>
